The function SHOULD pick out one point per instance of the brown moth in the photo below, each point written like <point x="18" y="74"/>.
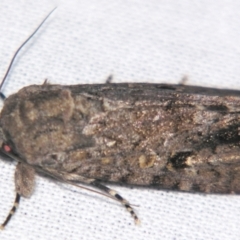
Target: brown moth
<point x="176" y="137"/>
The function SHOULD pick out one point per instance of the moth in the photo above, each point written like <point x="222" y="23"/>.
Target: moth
<point x="175" y="137"/>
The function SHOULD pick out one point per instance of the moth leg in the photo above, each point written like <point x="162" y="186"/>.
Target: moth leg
<point x="24" y="179"/>
<point x="109" y="191"/>
<point x="184" y="80"/>
<point x="45" y="82"/>
<point x="119" y="198"/>
<point x="24" y="186"/>
<point x="109" y="79"/>
<point x="2" y="96"/>
<point x="12" y="211"/>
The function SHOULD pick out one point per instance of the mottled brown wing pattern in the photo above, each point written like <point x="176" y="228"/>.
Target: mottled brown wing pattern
<point x="169" y="136"/>
<point x="134" y="133"/>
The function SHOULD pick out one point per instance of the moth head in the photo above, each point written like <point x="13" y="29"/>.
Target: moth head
<point x="5" y="148"/>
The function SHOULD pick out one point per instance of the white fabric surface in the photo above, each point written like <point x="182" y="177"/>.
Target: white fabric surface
<point x="84" y="42"/>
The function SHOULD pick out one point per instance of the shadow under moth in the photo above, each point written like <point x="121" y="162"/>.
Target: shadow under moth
<point x="176" y="137"/>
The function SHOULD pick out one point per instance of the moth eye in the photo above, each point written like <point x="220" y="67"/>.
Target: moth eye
<point x="6" y="147"/>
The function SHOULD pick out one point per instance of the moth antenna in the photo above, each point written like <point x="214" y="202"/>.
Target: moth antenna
<point x="16" y="53"/>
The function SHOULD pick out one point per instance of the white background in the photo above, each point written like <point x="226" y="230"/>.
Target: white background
<point x="146" y="41"/>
